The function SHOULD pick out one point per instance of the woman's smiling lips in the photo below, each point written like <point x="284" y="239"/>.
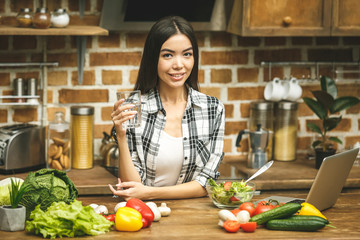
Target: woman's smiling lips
<point x="176" y="76"/>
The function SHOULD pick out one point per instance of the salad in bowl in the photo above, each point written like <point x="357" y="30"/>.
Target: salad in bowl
<point x="230" y="194"/>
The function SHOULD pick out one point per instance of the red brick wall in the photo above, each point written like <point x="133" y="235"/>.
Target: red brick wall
<point x="229" y="69"/>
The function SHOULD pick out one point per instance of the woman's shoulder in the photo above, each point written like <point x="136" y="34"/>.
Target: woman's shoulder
<point x="204" y="100"/>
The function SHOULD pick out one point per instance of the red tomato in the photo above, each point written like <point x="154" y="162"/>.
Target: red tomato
<point x="110" y="217"/>
<point x="231" y="226"/>
<point x="248" y="206"/>
<point x="235" y="211"/>
<point x="262" y="208"/>
<point x="227" y="186"/>
<point x="234" y="199"/>
<point x="249" y="226"/>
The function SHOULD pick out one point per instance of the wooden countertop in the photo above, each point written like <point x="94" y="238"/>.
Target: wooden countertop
<point x="198" y="218"/>
<point x="295" y="175"/>
<point x="92" y="181"/>
<point x="298" y="174"/>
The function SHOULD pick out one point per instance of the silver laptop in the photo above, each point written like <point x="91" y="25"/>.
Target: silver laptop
<point x="328" y="182"/>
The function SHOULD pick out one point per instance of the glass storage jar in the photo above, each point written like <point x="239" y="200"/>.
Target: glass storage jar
<point x="24" y="17"/>
<point x="42" y="18"/>
<point x="285" y="137"/>
<point x="82" y="136"/>
<point x="60" y="18"/>
<point x="58" y="144"/>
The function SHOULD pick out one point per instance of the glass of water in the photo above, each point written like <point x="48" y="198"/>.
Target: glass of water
<point x="132" y="98"/>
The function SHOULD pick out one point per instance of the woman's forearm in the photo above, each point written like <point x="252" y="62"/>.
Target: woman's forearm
<point x="186" y="190"/>
<point x="127" y="171"/>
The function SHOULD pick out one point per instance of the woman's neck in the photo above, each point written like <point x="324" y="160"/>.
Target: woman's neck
<point x="173" y="96"/>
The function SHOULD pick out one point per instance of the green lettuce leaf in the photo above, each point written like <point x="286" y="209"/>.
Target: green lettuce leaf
<point x="67" y="220"/>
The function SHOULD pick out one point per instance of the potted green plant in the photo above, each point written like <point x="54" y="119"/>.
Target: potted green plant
<point x="12" y="217"/>
<point x="325" y="104"/>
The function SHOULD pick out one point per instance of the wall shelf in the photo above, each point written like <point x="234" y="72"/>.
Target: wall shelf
<point x="71" y="30"/>
<point x="315" y="65"/>
<point x="79" y="31"/>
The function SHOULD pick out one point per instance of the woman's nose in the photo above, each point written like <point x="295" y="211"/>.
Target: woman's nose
<point x="178" y="63"/>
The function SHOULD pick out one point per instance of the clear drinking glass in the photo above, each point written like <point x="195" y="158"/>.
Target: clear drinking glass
<point x="133" y="98"/>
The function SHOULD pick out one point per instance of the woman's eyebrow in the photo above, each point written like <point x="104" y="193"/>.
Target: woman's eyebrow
<point x="172" y="51"/>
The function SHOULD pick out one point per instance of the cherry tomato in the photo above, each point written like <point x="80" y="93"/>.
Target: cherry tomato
<point x="263" y="208"/>
<point x="110" y="217"/>
<point x="227" y="186"/>
<point x="231" y="226"/>
<point x="248" y="206"/>
<point x="235" y="211"/>
<point x="249" y="226"/>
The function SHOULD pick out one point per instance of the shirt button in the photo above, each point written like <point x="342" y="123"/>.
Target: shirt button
<point x="185" y="158"/>
<point x="185" y="138"/>
<point x="181" y="175"/>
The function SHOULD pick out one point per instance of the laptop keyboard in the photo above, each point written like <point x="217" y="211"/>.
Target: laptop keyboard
<point x="299" y="201"/>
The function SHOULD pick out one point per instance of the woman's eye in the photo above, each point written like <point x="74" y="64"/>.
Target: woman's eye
<point x="167" y="55"/>
<point x="188" y="54"/>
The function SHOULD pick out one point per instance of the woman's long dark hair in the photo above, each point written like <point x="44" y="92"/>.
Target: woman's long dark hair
<point x="159" y="33"/>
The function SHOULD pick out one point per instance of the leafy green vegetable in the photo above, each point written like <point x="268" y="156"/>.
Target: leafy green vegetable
<point x="240" y="190"/>
<point x="4" y="190"/>
<point x="47" y="186"/>
<point x="17" y="189"/>
<point x="67" y="220"/>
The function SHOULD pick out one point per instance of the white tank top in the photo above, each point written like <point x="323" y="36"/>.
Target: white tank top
<point x="169" y="161"/>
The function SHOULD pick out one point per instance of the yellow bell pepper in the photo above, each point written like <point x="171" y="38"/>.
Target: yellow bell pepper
<point x="128" y="219"/>
<point x="309" y="210"/>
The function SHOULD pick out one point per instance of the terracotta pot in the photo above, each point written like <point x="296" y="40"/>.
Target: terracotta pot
<point x="320" y="155"/>
<point x="12" y="219"/>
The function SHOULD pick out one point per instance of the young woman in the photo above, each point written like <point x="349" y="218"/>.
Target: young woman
<point x="179" y="145"/>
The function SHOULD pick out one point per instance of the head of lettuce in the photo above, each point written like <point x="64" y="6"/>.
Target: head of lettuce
<point x="45" y="187"/>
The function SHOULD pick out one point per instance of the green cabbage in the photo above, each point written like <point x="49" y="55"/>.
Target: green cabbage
<point x="4" y="190"/>
<point x="47" y="186"/>
<point x="67" y="220"/>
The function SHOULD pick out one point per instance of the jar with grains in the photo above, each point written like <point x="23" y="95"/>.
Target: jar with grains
<point x="60" y="18"/>
<point x="58" y="144"/>
<point x="24" y="17"/>
<point x="42" y="18"/>
<point x="285" y="138"/>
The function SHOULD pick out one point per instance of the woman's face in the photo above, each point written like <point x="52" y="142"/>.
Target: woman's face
<point x="176" y="61"/>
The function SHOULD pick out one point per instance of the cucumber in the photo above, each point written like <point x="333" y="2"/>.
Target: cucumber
<point x="283" y="211"/>
<point x="295" y="225"/>
<point x="306" y="217"/>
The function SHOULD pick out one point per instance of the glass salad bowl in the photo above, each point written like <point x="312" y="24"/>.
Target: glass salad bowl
<point x="230" y="194"/>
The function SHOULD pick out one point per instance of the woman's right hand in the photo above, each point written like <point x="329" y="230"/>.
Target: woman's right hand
<point x="120" y="115"/>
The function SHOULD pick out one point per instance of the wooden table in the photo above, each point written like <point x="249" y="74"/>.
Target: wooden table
<point x="197" y="219"/>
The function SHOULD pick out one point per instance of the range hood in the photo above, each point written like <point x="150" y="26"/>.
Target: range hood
<point x="140" y="15"/>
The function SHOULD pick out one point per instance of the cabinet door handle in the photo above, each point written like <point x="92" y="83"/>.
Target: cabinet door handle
<point x="287" y="21"/>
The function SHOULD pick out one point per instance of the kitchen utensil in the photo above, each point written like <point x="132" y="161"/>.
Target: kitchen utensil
<point x="22" y="148"/>
<point x="258" y="142"/>
<point x="261" y="170"/>
<point x="293" y="91"/>
<point x="262" y="112"/>
<point x="274" y="90"/>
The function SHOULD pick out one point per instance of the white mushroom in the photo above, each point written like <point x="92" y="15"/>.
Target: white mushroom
<point x="155" y="210"/>
<point x="93" y="205"/>
<point x="164" y="210"/>
<point x="101" y="209"/>
<point x="119" y="205"/>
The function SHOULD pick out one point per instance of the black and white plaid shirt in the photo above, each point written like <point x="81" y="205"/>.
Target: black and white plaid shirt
<point x="203" y="137"/>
